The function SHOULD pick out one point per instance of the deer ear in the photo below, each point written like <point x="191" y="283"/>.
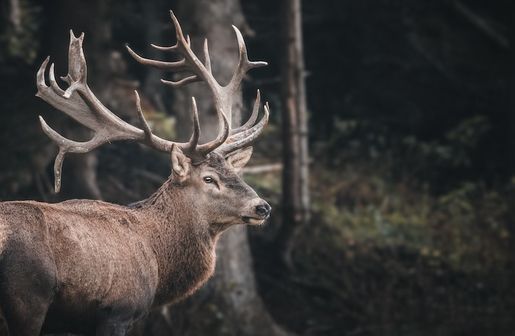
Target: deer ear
<point x="238" y="159"/>
<point x="180" y="163"/>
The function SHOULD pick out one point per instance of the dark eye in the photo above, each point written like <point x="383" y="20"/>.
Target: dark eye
<point x="209" y="179"/>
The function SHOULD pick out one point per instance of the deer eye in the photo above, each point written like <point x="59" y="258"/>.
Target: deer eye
<point x="209" y="179"/>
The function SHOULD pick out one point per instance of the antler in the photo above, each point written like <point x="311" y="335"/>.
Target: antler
<point x="79" y="102"/>
<point x="223" y="95"/>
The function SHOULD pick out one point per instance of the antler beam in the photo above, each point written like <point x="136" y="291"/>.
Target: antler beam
<point x="222" y="95"/>
<point x="79" y="102"/>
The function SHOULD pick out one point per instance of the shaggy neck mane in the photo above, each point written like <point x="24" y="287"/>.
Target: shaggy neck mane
<point x="181" y="239"/>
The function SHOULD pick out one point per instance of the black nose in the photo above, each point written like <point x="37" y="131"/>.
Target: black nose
<point x="263" y="210"/>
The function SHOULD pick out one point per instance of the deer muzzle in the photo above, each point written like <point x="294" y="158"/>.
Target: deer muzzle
<point x="257" y="211"/>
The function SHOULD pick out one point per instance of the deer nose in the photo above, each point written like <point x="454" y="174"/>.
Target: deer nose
<point x="263" y="210"/>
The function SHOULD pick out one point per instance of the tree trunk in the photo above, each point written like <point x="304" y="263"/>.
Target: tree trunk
<point x="152" y="86"/>
<point x="229" y="304"/>
<point x="295" y="131"/>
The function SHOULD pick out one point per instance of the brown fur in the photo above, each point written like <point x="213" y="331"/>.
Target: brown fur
<point x="95" y="267"/>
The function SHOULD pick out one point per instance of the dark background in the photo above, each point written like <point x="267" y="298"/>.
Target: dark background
<point x="412" y="134"/>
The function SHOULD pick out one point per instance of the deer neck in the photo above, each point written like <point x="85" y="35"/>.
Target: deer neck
<point x="181" y="239"/>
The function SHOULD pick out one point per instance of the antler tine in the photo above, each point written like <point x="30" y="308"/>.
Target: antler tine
<point x="170" y="48"/>
<point x="207" y="58"/>
<point x="183" y="81"/>
<point x="65" y="146"/>
<point x="244" y="65"/>
<point x="176" y="66"/>
<point x="53" y="83"/>
<point x="196" y="126"/>
<point x="141" y="116"/>
<point x="246" y="137"/>
<point x="253" y="117"/>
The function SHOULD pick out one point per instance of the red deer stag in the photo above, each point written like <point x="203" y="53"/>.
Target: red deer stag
<point x="92" y="267"/>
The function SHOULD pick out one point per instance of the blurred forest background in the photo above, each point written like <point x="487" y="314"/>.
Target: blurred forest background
<point x="411" y="119"/>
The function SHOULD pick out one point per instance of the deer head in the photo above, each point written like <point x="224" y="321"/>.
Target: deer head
<point x="216" y="185"/>
<point x="209" y="171"/>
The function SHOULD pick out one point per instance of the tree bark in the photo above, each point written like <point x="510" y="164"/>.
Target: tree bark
<point x="295" y="131"/>
<point x="152" y="86"/>
<point x="230" y="303"/>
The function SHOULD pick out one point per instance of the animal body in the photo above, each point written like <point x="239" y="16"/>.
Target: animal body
<point x="92" y="267"/>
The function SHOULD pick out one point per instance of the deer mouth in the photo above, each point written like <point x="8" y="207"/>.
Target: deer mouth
<point x="253" y="220"/>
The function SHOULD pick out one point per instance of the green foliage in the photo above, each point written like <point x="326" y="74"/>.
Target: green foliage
<point x="456" y="147"/>
<point x="389" y="253"/>
<point x="395" y="258"/>
<point x="466" y="226"/>
<point x="464" y="138"/>
<point x="412" y="156"/>
<point x="163" y="125"/>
